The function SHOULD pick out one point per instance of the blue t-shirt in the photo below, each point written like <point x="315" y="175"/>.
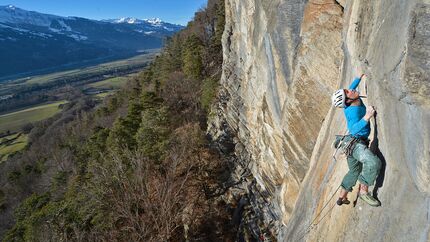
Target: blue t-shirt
<point x="357" y="126"/>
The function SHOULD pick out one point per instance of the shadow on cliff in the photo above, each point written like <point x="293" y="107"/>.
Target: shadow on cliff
<point x="374" y="147"/>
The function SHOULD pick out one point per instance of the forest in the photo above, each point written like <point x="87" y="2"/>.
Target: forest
<point x="138" y="167"/>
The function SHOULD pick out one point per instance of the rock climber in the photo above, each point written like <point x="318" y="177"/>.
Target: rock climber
<point x="362" y="163"/>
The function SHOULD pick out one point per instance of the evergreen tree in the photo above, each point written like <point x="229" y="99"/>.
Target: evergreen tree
<point x="122" y="134"/>
<point x="192" y="57"/>
<point x="153" y="133"/>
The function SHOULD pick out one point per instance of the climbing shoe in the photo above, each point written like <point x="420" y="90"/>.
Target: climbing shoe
<point x="341" y="201"/>
<point x="369" y="199"/>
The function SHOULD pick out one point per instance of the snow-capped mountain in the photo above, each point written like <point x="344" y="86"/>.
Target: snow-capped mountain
<point x="152" y="26"/>
<point x="124" y="20"/>
<point x="30" y="40"/>
<point x="129" y="20"/>
<point x="34" y="23"/>
<point x="156" y="22"/>
<point x="14" y="15"/>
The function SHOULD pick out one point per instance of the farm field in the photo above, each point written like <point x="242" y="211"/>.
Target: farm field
<point x="12" y="144"/>
<point x="14" y="121"/>
<point x="111" y="83"/>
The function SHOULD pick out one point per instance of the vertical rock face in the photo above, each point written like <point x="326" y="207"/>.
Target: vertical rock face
<point x="389" y="41"/>
<point x="282" y="61"/>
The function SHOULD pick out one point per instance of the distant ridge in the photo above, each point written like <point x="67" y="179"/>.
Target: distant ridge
<point x="31" y="41"/>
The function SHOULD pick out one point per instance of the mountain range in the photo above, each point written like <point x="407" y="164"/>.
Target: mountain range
<point x="31" y="41"/>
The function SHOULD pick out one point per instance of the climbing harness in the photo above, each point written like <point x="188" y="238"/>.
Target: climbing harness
<point x="349" y="146"/>
<point x="338" y="144"/>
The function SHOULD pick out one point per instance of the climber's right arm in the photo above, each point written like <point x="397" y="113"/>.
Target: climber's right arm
<point x="370" y="112"/>
<point x="358" y="126"/>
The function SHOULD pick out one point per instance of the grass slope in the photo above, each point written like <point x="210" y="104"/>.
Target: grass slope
<point x="16" y="120"/>
<point x="12" y="144"/>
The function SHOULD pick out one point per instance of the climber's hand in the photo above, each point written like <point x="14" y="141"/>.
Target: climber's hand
<point x="370" y="112"/>
<point x="363" y="76"/>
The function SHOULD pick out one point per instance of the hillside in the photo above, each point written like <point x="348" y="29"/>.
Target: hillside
<point x="138" y="167"/>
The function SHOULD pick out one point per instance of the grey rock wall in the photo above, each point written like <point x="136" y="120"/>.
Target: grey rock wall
<point x="282" y="61"/>
<point x="388" y="40"/>
<point x="275" y="94"/>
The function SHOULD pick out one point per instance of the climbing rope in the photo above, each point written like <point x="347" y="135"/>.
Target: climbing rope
<point x="312" y="225"/>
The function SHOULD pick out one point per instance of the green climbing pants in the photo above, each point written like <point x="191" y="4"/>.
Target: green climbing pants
<point x="363" y="165"/>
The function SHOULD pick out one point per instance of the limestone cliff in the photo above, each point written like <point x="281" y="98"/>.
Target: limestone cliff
<point x="282" y="61"/>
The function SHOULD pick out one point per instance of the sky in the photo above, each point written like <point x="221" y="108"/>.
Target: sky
<point x="172" y="11"/>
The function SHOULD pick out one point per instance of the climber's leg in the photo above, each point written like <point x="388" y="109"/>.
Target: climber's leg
<point x="371" y="164"/>
<point x="351" y="177"/>
<point x="343" y="199"/>
<point x="349" y="180"/>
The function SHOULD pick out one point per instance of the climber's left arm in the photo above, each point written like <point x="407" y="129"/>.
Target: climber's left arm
<point x="356" y="81"/>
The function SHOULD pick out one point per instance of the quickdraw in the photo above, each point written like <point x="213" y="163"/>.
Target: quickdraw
<point x="349" y="146"/>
